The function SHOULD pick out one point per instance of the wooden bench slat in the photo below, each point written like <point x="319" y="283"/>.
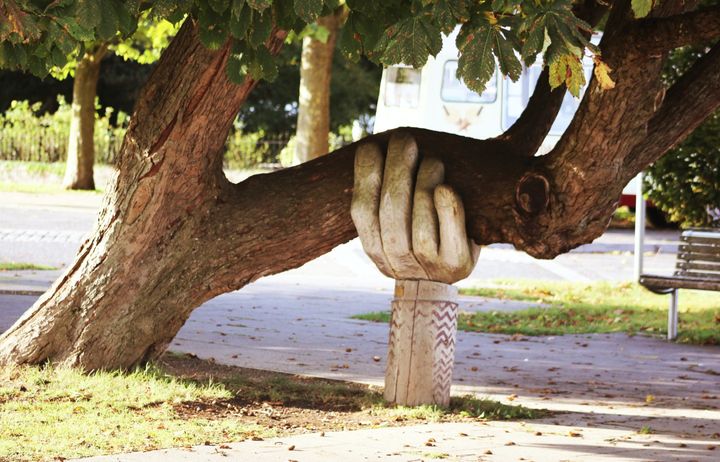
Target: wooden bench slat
<point x="699" y="247"/>
<point x="698" y="266"/>
<point x="710" y="242"/>
<point x="654" y="282"/>
<point x="685" y="256"/>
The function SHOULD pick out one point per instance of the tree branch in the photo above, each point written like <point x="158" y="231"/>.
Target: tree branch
<point x="692" y="28"/>
<point x="686" y="105"/>
<point x="526" y="135"/>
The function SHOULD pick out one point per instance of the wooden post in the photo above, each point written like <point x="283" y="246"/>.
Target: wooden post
<point x="421" y="349"/>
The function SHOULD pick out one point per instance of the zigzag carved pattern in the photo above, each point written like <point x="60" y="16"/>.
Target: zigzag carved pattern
<point x="445" y="326"/>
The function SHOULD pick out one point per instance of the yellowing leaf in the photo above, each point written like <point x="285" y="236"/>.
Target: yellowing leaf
<point x="567" y="69"/>
<point x="649" y="399"/>
<point x="641" y="8"/>
<point x="602" y="74"/>
<point x="490" y="18"/>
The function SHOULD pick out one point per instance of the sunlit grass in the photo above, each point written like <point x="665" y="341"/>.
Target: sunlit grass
<point x="49" y="413"/>
<point x="21" y="266"/>
<point x="597" y="307"/>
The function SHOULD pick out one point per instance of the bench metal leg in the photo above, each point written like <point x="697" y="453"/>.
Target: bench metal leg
<point x="672" y="330"/>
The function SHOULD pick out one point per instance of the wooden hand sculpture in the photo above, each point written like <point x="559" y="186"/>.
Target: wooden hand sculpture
<point x="410" y="235"/>
<point x="414" y="231"/>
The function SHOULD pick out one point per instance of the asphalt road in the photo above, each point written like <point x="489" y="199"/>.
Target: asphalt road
<point x="48" y="229"/>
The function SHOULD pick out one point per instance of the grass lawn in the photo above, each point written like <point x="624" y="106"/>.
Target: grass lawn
<point x="598" y="307"/>
<point x="51" y="413"/>
<point x="19" y="266"/>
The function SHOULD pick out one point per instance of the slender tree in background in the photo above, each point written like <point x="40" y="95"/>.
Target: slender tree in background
<point x="313" y="119"/>
<point x="144" y="46"/>
<point x="81" y="141"/>
<point x="174" y="232"/>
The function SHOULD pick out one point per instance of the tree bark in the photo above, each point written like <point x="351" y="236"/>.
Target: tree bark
<point x="313" y="121"/>
<point x="174" y="232"/>
<point x="81" y="145"/>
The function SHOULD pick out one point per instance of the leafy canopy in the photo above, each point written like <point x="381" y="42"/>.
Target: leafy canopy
<point x="38" y="35"/>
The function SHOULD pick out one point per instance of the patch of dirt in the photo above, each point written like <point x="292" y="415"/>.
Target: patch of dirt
<point x="287" y="403"/>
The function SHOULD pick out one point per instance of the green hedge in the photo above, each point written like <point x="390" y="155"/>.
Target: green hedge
<point x="27" y="135"/>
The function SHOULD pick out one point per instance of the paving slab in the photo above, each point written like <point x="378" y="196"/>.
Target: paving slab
<point x="539" y="441"/>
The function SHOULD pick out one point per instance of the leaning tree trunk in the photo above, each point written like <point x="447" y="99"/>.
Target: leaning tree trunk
<point x="81" y="144"/>
<point x="313" y="121"/>
<point x="174" y="232"/>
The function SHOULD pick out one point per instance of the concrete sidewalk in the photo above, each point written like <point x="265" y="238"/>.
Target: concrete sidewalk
<point x="539" y="441"/>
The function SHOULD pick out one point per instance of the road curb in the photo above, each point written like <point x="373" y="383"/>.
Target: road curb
<point x="21" y="292"/>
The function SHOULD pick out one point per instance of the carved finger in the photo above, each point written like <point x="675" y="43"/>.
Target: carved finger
<point x="425" y="232"/>
<point x="396" y="207"/>
<point x="365" y="205"/>
<point x="456" y="253"/>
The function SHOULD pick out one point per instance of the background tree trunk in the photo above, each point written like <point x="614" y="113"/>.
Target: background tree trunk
<point x="313" y="121"/>
<point x="81" y="145"/>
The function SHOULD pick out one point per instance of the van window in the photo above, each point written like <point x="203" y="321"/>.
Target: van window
<point x="454" y="90"/>
<point x="402" y="87"/>
<point x="517" y="94"/>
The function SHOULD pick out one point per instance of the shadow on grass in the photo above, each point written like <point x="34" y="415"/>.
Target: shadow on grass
<point x="252" y="387"/>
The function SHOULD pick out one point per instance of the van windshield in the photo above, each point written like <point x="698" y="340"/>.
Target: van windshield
<point x="454" y="90"/>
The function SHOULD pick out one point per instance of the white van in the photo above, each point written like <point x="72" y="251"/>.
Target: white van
<point x="434" y="98"/>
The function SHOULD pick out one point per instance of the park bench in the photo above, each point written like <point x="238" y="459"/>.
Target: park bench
<point x="698" y="267"/>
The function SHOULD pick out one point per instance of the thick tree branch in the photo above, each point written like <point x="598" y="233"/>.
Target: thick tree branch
<point x="666" y="33"/>
<point x="686" y="105"/>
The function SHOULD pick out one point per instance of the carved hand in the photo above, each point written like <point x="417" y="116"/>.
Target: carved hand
<point x="420" y="234"/>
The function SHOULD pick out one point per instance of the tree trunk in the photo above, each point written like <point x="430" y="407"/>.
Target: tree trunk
<point x="313" y="121"/>
<point x="81" y="145"/>
<point x="174" y="232"/>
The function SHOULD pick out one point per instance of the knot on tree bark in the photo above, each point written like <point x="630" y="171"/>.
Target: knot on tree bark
<point x="532" y="194"/>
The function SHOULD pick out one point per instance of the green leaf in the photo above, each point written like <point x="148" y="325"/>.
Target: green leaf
<point x="235" y="69"/>
<point x="88" y="13"/>
<point x="76" y="30"/>
<point x="240" y="23"/>
<point x="349" y="41"/>
<point x="260" y="29"/>
<point x="213" y="28"/>
<point x="534" y="40"/>
<point x="641" y="8"/>
<point x="262" y="65"/>
<point x="450" y="13"/>
<point x="411" y="42"/>
<point x="503" y="49"/>
<point x="308" y="10"/>
<point x="237" y="8"/>
<point x="109" y="23"/>
<point x="127" y="23"/>
<point x="476" y="64"/>
<point x="219" y="6"/>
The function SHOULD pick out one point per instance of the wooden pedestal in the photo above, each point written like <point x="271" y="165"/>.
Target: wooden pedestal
<point x="421" y="349"/>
